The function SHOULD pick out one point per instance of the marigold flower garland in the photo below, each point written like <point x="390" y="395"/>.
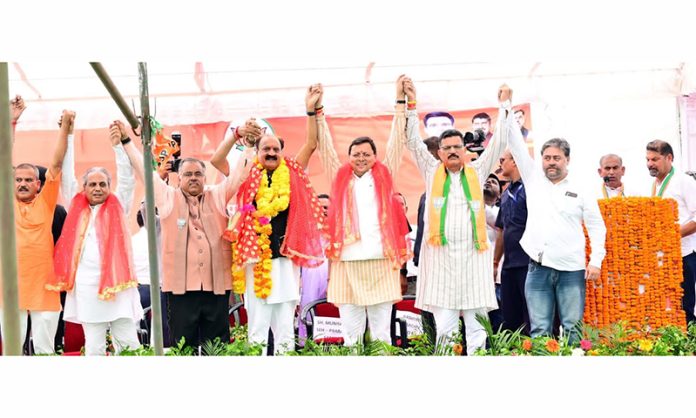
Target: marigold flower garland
<point x="270" y="200"/>
<point x="641" y="274"/>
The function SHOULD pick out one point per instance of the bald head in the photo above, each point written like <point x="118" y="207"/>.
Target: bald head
<point x="611" y="170"/>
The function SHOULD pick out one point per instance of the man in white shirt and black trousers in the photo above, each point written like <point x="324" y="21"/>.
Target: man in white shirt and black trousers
<point x="554" y="239"/>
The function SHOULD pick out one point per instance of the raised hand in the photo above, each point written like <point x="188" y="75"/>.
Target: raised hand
<point x="312" y="97"/>
<point x="67" y="121"/>
<point x="320" y="88"/>
<point x="17" y="106"/>
<point x="122" y="129"/>
<point x="114" y="134"/>
<point x="409" y="89"/>
<point x="504" y="94"/>
<point x="400" y="93"/>
<point x="250" y="131"/>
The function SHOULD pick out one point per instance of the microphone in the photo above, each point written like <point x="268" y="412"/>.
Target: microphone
<point x="606" y="179"/>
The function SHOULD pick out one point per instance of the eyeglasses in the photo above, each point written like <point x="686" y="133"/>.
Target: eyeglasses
<point x="191" y="174"/>
<point x="361" y="155"/>
<point x="454" y="147"/>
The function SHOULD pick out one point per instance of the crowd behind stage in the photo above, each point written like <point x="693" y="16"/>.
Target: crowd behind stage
<point x="499" y="233"/>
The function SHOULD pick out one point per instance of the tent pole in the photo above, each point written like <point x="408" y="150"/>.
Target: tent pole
<point x="11" y="334"/>
<point x="115" y="94"/>
<point x="155" y="306"/>
<point x="150" y="211"/>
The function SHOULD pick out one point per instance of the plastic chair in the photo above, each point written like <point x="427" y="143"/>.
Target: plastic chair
<point x="73" y="339"/>
<point x="144" y="326"/>
<point x="238" y="315"/>
<point x="408" y="304"/>
<point x="322" y="308"/>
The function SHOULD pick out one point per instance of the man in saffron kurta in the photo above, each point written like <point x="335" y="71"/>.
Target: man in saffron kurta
<point x="93" y="258"/>
<point x="34" y="211"/>
<point x="367" y="230"/>
<point x="456" y="265"/>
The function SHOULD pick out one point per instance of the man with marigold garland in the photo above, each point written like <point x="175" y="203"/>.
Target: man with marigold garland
<point x="275" y="231"/>
<point x="368" y="230"/>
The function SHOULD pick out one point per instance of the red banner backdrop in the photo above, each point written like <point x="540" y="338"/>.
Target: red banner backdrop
<point x="92" y="147"/>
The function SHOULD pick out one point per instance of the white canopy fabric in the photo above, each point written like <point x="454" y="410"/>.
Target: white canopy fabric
<point x="599" y="107"/>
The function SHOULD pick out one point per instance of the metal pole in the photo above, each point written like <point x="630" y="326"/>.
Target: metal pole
<point x="11" y="335"/>
<point x="150" y="211"/>
<point x="113" y="91"/>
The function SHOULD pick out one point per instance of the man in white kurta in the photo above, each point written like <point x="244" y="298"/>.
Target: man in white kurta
<point x="456" y="277"/>
<point x="363" y="283"/>
<point x="82" y="304"/>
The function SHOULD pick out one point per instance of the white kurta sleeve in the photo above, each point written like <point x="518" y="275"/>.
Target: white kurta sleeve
<point x="327" y="152"/>
<point x="395" y="145"/>
<point x="125" y="189"/>
<point x="68" y="182"/>
<point x="519" y="151"/>
<point x="427" y="164"/>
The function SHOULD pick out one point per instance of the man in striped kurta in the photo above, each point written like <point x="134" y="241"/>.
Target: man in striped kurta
<point x="368" y="229"/>
<point x="456" y="268"/>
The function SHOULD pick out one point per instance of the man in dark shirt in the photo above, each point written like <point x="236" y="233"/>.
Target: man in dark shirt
<point x="512" y="219"/>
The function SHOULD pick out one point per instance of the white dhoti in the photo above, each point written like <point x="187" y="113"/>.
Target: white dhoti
<point x="277" y="311"/>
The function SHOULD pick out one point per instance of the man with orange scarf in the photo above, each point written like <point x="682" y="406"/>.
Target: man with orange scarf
<point x="367" y="230"/>
<point x="456" y="267"/>
<point x="93" y="257"/>
<point x="276" y="230"/>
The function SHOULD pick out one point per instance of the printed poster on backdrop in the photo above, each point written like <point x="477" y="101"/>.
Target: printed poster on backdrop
<point x="201" y="141"/>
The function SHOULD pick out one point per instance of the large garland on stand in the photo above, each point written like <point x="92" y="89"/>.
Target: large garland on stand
<point x="641" y="274"/>
<point x="270" y="200"/>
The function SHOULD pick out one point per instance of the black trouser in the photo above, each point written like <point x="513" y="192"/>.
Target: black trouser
<point x="428" y="321"/>
<point x="689" y="298"/>
<point x="145" y="301"/>
<point x="514" y="304"/>
<point x="198" y="317"/>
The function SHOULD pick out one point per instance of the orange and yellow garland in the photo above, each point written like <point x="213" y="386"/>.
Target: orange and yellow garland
<point x="641" y="274"/>
<point x="270" y="200"/>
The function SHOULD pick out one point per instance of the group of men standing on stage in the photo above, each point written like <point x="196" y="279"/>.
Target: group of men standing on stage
<point x="263" y="229"/>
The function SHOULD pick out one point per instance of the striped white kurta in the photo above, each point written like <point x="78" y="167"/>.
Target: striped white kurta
<point x="457" y="275"/>
<point x="367" y="280"/>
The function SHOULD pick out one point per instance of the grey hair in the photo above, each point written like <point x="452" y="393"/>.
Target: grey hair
<point x="96" y="170"/>
<point x="604" y="157"/>
<point x="190" y="160"/>
<point x="559" y="143"/>
<point x="31" y="167"/>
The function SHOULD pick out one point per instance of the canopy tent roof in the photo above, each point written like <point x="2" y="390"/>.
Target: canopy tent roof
<point x="213" y="91"/>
